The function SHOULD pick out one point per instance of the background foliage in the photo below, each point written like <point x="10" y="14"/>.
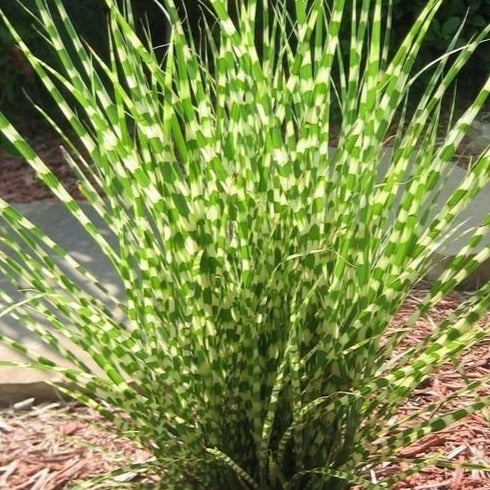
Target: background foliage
<point x="16" y="78"/>
<point x="90" y="20"/>
<point x="444" y="28"/>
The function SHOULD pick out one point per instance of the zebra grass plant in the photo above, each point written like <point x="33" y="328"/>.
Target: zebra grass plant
<point x="261" y="267"/>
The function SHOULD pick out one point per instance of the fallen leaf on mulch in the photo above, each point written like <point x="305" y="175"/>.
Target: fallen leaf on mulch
<point x="72" y="427"/>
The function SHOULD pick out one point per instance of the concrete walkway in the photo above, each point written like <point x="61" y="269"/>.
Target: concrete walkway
<point x="18" y="383"/>
<point x="57" y="222"/>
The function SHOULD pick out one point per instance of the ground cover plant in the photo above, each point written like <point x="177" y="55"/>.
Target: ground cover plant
<point x="261" y="268"/>
<point x="474" y="13"/>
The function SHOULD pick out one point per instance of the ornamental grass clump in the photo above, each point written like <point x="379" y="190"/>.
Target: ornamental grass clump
<point x="261" y="266"/>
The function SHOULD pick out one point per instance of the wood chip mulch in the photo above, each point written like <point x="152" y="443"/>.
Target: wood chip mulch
<point x="468" y="441"/>
<point x="18" y="181"/>
<point x="51" y="446"/>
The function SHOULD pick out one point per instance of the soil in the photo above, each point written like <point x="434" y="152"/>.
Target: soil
<point x="53" y="446"/>
<point x="18" y="181"/>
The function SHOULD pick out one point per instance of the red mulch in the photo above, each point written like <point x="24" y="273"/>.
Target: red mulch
<point x="51" y="446"/>
<point x="465" y="442"/>
<point x="18" y="181"/>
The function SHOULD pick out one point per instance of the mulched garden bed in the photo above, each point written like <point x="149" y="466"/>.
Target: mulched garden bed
<point x="18" y="181"/>
<point x="53" y="446"/>
<point x="465" y="442"/>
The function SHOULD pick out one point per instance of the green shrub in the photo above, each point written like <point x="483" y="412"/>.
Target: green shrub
<point x="261" y="269"/>
<point x="18" y="84"/>
<point x="472" y="16"/>
<point x="89" y="16"/>
<point x="475" y="14"/>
